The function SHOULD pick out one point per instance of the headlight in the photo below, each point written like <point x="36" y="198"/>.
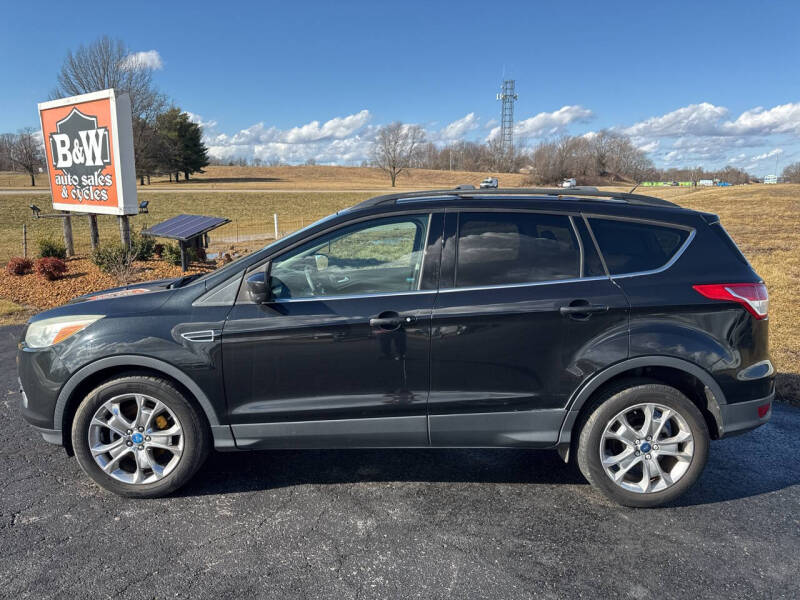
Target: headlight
<point x="48" y="332"/>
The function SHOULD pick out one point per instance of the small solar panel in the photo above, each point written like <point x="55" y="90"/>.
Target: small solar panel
<point x="185" y="227"/>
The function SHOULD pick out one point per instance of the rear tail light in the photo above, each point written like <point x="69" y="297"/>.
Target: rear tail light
<point x="753" y="296"/>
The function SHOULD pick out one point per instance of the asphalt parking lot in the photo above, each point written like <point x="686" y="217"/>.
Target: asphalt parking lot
<point x="395" y="524"/>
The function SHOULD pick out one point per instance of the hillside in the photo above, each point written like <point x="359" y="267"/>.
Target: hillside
<point x="302" y="178"/>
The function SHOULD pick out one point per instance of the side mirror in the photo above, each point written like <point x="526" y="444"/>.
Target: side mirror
<point x="257" y="286"/>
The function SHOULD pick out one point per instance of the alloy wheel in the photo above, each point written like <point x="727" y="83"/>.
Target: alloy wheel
<point x="646" y="448"/>
<point x="136" y="438"/>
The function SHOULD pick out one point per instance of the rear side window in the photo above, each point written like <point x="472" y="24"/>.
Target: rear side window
<point x="631" y="247"/>
<point x="508" y="248"/>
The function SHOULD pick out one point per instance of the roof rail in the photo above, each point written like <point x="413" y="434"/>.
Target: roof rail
<point x="572" y="193"/>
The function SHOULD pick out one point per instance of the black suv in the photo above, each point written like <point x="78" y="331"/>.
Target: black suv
<point x="623" y="331"/>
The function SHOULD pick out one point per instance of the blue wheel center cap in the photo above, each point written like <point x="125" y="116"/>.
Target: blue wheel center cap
<point x="645" y="447"/>
<point x="137" y="438"/>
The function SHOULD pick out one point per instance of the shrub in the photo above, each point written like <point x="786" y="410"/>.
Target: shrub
<point x="19" y="266"/>
<point x="200" y="254"/>
<point x="142" y="246"/>
<point x="158" y="250"/>
<point x="116" y="260"/>
<point x="50" y="267"/>
<point x="172" y="254"/>
<point x="50" y="248"/>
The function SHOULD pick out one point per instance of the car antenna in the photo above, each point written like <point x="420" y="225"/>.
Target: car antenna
<point x="634" y="187"/>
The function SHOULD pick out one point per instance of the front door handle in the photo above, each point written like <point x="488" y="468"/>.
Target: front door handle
<point x="582" y="309"/>
<point x="390" y="321"/>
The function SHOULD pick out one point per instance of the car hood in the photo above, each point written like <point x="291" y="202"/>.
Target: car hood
<point x="134" y="289"/>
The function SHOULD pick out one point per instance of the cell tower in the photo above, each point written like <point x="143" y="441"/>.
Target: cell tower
<point x="508" y="96"/>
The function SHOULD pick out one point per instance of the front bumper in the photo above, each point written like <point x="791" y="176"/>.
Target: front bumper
<point x="52" y="436"/>
<point x="744" y="416"/>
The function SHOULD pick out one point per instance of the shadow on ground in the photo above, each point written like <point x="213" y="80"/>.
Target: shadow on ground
<point x="735" y="467"/>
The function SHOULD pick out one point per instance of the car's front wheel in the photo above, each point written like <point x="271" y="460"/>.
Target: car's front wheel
<point x="644" y="444"/>
<point x="139" y="437"/>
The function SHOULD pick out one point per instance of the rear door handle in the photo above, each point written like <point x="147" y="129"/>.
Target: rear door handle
<point x="585" y="308"/>
<point x="576" y="310"/>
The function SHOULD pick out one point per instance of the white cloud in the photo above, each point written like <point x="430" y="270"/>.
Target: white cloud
<point x="458" y="128"/>
<point x="695" y="119"/>
<point x="766" y="155"/>
<point x="650" y="146"/>
<point x="206" y="125"/>
<point x="341" y="140"/>
<point x="697" y="134"/>
<point x="784" y="118"/>
<point x="337" y="128"/>
<point x="548" y="123"/>
<point x="147" y="59"/>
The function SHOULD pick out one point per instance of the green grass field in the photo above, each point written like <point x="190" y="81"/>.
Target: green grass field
<point x="251" y="215"/>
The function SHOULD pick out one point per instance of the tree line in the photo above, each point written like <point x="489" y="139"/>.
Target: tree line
<point x="165" y="140"/>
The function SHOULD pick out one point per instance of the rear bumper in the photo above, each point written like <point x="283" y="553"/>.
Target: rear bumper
<point x="744" y="416"/>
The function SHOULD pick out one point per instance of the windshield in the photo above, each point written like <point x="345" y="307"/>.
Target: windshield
<point x="232" y="265"/>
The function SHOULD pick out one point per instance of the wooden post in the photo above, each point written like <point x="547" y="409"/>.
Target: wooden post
<point x="24" y="240"/>
<point x="66" y="225"/>
<point x="184" y="261"/>
<point x="125" y="231"/>
<point x="93" y="233"/>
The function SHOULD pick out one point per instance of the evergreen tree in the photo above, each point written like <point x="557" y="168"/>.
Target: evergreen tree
<point x="182" y="149"/>
<point x="194" y="154"/>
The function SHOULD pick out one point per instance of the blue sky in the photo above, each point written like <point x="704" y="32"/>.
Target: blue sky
<point x="693" y="83"/>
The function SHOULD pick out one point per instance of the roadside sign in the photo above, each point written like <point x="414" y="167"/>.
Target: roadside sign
<point x="88" y="142"/>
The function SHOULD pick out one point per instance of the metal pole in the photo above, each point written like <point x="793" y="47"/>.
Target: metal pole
<point x="66" y="225"/>
<point x="125" y="231"/>
<point x="275" y="217"/>
<point x="25" y="240"/>
<point x="93" y="233"/>
<point x="184" y="262"/>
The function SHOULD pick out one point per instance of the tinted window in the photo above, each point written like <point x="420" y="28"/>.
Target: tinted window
<point x="630" y="247"/>
<point x="384" y="255"/>
<point x="505" y="248"/>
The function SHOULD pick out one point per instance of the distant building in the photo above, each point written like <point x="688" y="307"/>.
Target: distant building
<point x="771" y="179"/>
<point x="706" y="182"/>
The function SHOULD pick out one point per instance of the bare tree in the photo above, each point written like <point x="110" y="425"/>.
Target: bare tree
<point x="25" y="152"/>
<point x="108" y="63"/>
<point x="6" y="141"/>
<point x="395" y="147"/>
<point x="791" y="173"/>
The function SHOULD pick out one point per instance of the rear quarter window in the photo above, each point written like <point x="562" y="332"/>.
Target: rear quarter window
<point x="633" y="247"/>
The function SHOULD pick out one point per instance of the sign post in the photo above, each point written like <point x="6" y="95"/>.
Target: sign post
<point x="88" y="143"/>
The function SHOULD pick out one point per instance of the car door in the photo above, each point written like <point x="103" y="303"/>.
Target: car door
<point x="340" y="356"/>
<point x="524" y="315"/>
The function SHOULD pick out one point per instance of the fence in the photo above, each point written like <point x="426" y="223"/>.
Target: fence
<point x="239" y="234"/>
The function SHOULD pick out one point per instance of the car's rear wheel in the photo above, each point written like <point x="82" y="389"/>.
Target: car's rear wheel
<point x="643" y="444"/>
<point x="139" y="437"/>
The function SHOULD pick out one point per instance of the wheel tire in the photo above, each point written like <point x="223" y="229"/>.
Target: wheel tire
<point x="196" y="436"/>
<point x="609" y="405"/>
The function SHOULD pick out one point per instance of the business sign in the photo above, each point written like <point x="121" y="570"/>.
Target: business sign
<point x="88" y="142"/>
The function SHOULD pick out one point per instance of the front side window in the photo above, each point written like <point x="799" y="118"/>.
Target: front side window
<point x="379" y="256"/>
<point x="633" y="247"/>
<point x="507" y="248"/>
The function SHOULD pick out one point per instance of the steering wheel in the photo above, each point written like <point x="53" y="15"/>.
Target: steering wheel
<point x="311" y="285"/>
